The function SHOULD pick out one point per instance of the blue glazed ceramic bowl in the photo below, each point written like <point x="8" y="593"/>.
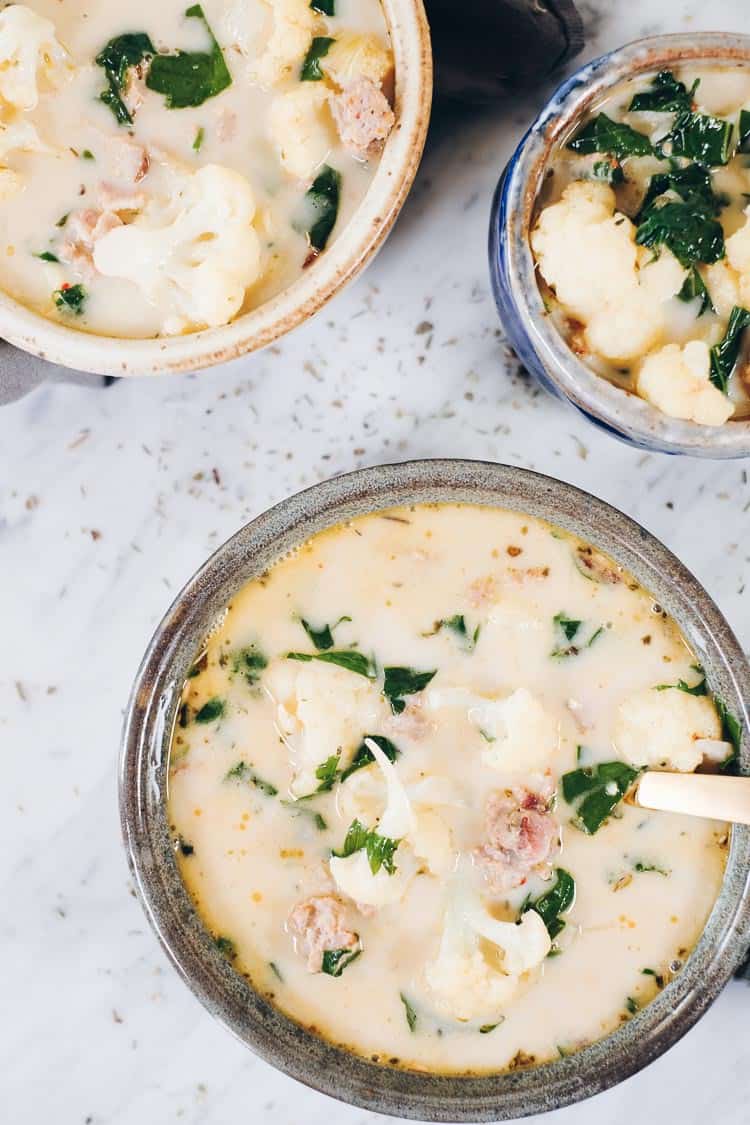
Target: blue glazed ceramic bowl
<point x="528" y="327"/>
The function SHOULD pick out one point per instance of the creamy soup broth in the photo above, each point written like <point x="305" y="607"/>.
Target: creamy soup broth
<point x="547" y="658"/>
<point x="183" y="217"/>
<point x="644" y="296"/>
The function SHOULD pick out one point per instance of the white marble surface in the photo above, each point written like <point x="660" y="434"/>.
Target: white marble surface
<point x="111" y="498"/>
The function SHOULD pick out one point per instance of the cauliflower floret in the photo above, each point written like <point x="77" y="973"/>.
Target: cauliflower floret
<point x="587" y="253"/>
<point x="738" y="256"/>
<point x="321" y="710"/>
<point x="663" y="729"/>
<point x="192" y="256"/>
<point x="723" y="92"/>
<point x="301" y="128"/>
<point x="290" y="25"/>
<point x="724" y="286"/>
<point x="354" y="55"/>
<point x="521" y="736"/>
<point x="20" y="136"/>
<point x="29" y="51"/>
<point x="676" y="381"/>
<point x="468" y="981"/>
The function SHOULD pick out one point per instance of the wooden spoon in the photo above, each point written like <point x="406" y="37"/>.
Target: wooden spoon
<point x="713" y="795"/>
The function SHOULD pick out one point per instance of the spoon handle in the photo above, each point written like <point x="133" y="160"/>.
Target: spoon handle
<point x="712" y="795"/>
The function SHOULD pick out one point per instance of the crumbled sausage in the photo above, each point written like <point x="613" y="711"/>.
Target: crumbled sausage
<point x="362" y="115"/>
<point x="319" y="923"/>
<point x="83" y="228"/>
<point x="521" y="836"/>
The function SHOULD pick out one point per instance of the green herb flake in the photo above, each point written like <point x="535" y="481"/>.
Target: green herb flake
<point x="318" y="49"/>
<point x="486" y="1028"/>
<point x="665" y="95"/>
<point x="87" y="154"/>
<point x="299" y="809"/>
<point x="212" y="710"/>
<point x="248" y="662"/>
<point x="63" y="219"/>
<point x="411" y="1015"/>
<point x="658" y="978"/>
<point x="380" y="849"/>
<point x="731" y="731"/>
<point x="743" y="131"/>
<point x="602" y="134"/>
<point x="568" y="630"/>
<point x="554" y="902"/>
<point x="189" y="78"/>
<point x="610" y="171"/>
<point x="243" y="772"/>
<point x="400" y="681"/>
<point x="70" y="298"/>
<point x="631" y="1005"/>
<point x="642" y="867"/>
<point x="689" y="689"/>
<point x="694" y="286"/>
<point x="47" y="256"/>
<point x="363" y="755"/>
<point x="601" y="788"/>
<point x="322" y="203"/>
<point x="325" y="7"/>
<point x="336" y="960"/>
<point x="226" y="947"/>
<point x="724" y="354"/>
<point x="349" y="659"/>
<point x="456" y="625"/>
<point x="322" y="638"/>
<point x="200" y="136"/>
<point x="116" y="59"/>
<point x="276" y="971"/>
<point x="327" y="772"/>
<point x="185" y="848"/>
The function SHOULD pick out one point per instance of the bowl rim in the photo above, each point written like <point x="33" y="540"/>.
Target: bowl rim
<point x="277" y="1038"/>
<point x="616" y="409"/>
<point x="352" y="249"/>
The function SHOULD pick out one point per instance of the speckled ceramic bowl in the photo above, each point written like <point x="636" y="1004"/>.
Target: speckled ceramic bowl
<point x="349" y="253"/>
<point x="227" y="995"/>
<point x="528" y="327"/>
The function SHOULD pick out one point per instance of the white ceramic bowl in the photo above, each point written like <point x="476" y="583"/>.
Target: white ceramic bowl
<point x="352" y="249"/>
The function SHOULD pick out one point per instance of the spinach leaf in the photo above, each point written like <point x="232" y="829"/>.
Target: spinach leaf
<point x="326" y="773"/>
<point x="399" y="682"/>
<point x="70" y="298"/>
<point x="317" y="50"/>
<point x="457" y="626"/>
<point x="665" y="95"/>
<point x="349" y="659"/>
<point x="226" y="947"/>
<point x="213" y="709"/>
<point x="694" y="286"/>
<point x="724" y="354"/>
<point x="363" y="755"/>
<point x="602" y="134"/>
<point x="692" y="183"/>
<point x="249" y="663"/>
<point x="708" y="140"/>
<point x="380" y="849"/>
<point x="298" y="809"/>
<point x="336" y="960"/>
<point x="731" y="731"/>
<point x="411" y="1015"/>
<point x="116" y="59"/>
<point x="322" y="638"/>
<point x="688" y="226"/>
<point x="602" y="787"/>
<point x="325" y="7"/>
<point x="243" y="772"/>
<point x="554" y="902"/>
<point x="189" y="78"/>
<point x="568" y="630"/>
<point x="322" y="199"/>
<point x="691" y="689"/>
<point x="641" y="867"/>
<point x="743" y="130"/>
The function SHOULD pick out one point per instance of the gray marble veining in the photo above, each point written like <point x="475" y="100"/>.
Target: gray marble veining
<point x="109" y="499"/>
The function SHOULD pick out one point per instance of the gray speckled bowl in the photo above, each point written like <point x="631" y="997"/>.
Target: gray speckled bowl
<point x="227" y="995"/>
<point x="527" y="325"/>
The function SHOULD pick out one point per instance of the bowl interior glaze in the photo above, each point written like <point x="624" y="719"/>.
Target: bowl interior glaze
<point x="528" y="325"/>
<point x="227" y="995"/>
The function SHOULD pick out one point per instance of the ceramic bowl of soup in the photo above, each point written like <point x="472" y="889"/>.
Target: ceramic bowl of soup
<point x="372" y="788"/>
<point x="183" y="184"/>
<point x="617" y="244"/>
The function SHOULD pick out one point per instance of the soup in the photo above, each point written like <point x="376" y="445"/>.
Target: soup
<point x="166" y="168"/>
<point x="642" y="240"/>
<point x="396" y="789"/>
